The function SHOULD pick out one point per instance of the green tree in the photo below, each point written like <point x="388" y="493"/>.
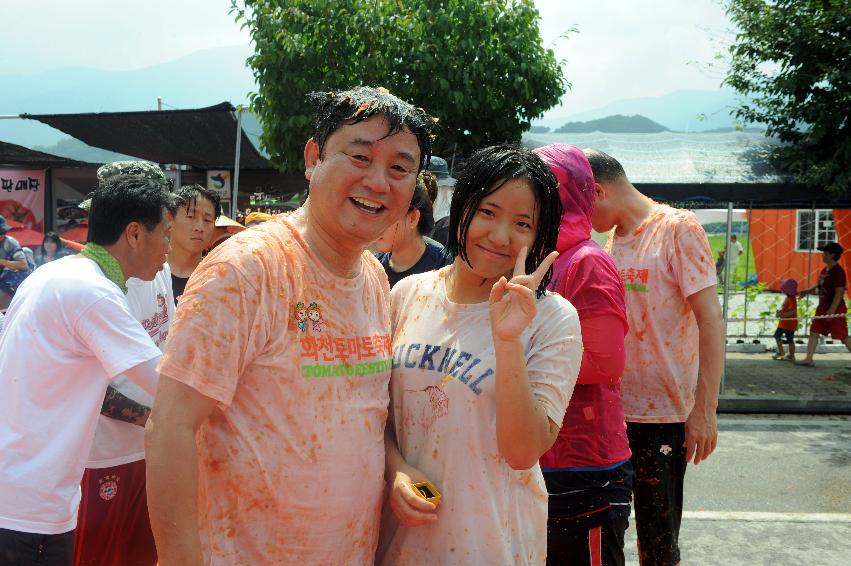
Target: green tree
<point x="477" y="65"/>
<point x="792" y="61"/>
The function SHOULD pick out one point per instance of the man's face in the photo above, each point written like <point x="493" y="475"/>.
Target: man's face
<point x="194" y="225"/>
<point x="603" y="217"/>
<point x="153" y="247"/>
<point x="364" y="180"/>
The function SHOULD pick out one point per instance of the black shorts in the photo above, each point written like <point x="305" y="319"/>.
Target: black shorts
<point x="659" y="462"/>
<point x="588" y="516"/>
<point x="789" y="335"/>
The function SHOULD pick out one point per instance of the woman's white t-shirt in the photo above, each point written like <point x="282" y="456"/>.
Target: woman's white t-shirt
<point x="444" y="412"/>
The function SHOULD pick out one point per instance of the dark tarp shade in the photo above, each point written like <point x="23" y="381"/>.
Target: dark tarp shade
<point x="12" y="155"/>
<point x="204" y="137"/>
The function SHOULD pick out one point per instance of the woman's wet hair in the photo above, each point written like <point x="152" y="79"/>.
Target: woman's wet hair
<point x="422" y="202"/>
<point x="335" y="108"/>
<point x="485" y="172"/>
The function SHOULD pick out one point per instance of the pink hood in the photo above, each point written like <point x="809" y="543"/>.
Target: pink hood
<point x="576" y="192"/>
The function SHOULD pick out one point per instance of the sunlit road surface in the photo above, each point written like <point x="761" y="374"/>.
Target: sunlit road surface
<point x="777" y="491"/>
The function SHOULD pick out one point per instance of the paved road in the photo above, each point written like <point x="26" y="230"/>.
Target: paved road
<point x="777" y="492"/>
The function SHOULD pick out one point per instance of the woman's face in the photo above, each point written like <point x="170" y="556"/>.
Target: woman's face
<point x="398" y="233"/>
<point x="504" y="223"/>
<point x="50" y="246"/>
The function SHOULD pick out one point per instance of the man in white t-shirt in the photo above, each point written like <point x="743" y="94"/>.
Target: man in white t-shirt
<point x="733" y="257"/>
<point x="112" y="524"/>
<point x="69" y="332"/>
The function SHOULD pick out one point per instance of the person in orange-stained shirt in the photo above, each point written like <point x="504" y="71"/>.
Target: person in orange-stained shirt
<point x="279" y="359"/>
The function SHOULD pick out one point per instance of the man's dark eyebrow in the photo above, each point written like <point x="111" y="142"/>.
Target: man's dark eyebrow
<point x="407" y="157"/>
<point x="368" y="143"/>
<point x="493" y="204"/>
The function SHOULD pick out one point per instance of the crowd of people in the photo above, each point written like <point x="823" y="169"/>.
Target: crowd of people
<point x="334" y="386"/>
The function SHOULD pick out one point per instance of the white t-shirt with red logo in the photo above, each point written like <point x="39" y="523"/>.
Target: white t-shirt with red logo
<point x="663" y="262"/>
<point x="117" y="442"/>
<point x="69" y="332"/>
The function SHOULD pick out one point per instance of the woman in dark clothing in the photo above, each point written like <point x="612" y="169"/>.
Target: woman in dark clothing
<point x="405" y="248"/>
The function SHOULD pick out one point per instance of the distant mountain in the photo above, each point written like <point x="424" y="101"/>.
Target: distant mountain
<point x="75" y="149"/>
<point x="614" y="124"/>
<point x="200" y="79"/>
<point x="680" y="111"/>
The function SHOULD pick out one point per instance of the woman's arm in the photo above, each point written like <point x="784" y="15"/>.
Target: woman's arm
<point x="523" y="429"/>
<point x="410" y="509"/>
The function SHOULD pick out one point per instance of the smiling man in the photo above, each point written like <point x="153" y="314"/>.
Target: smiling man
<point x="280" y="359"/>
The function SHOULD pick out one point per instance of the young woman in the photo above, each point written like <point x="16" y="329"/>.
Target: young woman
<point x="404" y="248"/>
<point x="484" y="363"/>
<point x="51" y="249"/>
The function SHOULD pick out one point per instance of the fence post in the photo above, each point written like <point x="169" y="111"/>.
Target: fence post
<point x="726" y="289"/>
<point x="747" y="275"/>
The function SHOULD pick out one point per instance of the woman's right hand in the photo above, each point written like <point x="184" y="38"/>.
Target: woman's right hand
<point x="410" y="509"/>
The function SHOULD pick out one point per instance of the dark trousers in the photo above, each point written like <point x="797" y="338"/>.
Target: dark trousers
<point x="659" y="462"/>
<point x="32" y="549"/>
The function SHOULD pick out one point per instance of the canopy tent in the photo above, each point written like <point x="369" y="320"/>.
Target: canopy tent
<point x="12" y="155"/>
<point x="26" y="237"/>
<point x="78" y="233"/>
<point x="202" y="137"/>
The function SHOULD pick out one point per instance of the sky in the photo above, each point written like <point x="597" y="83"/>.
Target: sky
<point x="623" y="48"/>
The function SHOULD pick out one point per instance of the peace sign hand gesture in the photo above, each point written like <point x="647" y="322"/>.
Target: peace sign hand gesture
<point x="512" y="303"/>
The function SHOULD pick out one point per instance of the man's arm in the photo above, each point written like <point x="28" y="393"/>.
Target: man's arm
<point x="172" y="471"/>
<point x="117" y="406"/>
<point x="14" y="264"/>
<point x="702" y="425"/>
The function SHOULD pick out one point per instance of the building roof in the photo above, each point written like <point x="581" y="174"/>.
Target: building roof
<point x="12" y="155"/>
<point x="201" y="137"/>
<point x="673" y="158"/>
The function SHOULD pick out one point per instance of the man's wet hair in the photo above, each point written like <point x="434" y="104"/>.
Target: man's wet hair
<point x="187" y="196"/>
<point x="606" y="168"/>
<point x="422" y="202"/>
<point x="335" y="108"/>
<point x="123" y="199"/>
<point x="485" y="172"/>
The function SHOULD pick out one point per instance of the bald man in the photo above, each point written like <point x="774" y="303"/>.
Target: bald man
<point x="674" y="349"/>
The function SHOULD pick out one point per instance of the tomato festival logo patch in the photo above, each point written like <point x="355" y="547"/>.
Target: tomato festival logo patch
<point x="108" y="487"/>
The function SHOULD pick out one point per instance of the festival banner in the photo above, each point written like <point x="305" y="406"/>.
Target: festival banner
<point x="22" y="196"/>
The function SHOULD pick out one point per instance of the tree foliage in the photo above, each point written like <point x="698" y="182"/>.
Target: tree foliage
<point x="477" y="65"/>
<point x="792" y="58"/>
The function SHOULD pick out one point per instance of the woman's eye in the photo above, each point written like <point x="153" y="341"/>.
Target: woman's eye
<point x="399" y="169"/>
<point x="525" y="225"/>
<point x="486" y="211"/>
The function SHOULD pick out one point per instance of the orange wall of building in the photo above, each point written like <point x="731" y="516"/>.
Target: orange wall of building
<point x="772" y="235"/>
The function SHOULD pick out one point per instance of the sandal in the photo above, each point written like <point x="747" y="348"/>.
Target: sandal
<point x="777" y="357"/>
<point x="789" y="359"/>
<point x="804" y="363"/>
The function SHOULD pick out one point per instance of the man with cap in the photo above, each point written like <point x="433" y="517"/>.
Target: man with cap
<point x="830" y="312"/>
<point x="13" y="262"/>
<point x="445" y="184"/>
<point x="69" y="333"/>
<point x="112" y="524"/>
